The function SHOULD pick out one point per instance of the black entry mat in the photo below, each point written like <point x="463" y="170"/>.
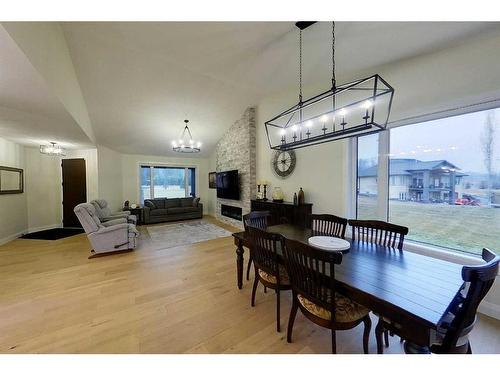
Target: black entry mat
<point x="53" y="234"/>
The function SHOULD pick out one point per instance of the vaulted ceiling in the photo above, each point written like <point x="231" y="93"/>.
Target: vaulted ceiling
<point x="140" y="80"/>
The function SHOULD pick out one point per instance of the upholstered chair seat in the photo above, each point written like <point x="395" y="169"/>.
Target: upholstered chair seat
<point x="104" y="213"/>
<point x="284" y="280"/>
<point x="346" y="310"/>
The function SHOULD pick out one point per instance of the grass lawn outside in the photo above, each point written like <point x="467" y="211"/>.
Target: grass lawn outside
<point x="463" y="228"/>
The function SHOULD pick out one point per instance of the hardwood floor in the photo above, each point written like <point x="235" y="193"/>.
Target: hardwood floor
<point x="178" y="300"/>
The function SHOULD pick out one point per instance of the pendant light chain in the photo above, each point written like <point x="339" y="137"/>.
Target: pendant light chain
<point x="350" y="110"/>
<point x="334" y="80"/>
<point x="300" y="66"/>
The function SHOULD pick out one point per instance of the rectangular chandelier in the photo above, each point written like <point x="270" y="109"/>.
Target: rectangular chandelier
<point x="357" y="108"/>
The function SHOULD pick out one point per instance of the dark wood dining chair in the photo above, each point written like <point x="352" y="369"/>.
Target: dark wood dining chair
<point x="312" y="277"/>
<point x="259" y="219"/>
<point x="385" y="234"/>
<point x="378" y="232"/>
<point x="453" y="331"/>
<point x="328" y="225"/>
<point x="269" y="269"/>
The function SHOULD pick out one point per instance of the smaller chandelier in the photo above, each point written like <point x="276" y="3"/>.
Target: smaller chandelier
<point x="186" y="143"/>
<point x="52" y="149"/>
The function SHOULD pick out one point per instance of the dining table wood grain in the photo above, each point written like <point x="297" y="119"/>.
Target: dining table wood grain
<point x="411" y="291"/>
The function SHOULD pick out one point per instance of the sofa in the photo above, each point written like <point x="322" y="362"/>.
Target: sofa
<point x="111" y="236"/>
<point x="159" y="210"/>
<point x="104" y="212"/>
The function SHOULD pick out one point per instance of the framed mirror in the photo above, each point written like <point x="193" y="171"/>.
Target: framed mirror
<point x="11" y="180"/>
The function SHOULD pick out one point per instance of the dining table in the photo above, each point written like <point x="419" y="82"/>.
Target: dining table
<point x="412" y="292"/>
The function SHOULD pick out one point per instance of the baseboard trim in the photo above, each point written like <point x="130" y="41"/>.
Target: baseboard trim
<point x="490" y="309"/>
<point x="45" y="227"/>
<point x="12" y="237"/>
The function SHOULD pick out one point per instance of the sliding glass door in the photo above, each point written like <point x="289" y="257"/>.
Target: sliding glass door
<point x="157" y="181"/>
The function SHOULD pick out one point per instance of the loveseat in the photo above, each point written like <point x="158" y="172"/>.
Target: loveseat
<point x="169" y="209"/>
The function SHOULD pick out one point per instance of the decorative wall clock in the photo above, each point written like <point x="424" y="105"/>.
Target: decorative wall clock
<point x="283" y="162"/>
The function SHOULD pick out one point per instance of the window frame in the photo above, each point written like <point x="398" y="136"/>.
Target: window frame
<point x="383" y="172"/>
<point x="152" y="166"/>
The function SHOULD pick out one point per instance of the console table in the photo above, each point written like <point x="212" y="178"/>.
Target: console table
<point x="285" y="212"/>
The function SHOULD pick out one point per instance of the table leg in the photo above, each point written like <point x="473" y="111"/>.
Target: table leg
<point x="379" y="331"/>
<point x="239" y="264"/>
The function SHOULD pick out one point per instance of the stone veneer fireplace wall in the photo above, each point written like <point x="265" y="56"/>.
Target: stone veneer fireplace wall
<point x="237" y="150"/>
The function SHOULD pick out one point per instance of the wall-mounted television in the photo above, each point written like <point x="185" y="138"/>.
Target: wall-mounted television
<point x="228" y="185"/>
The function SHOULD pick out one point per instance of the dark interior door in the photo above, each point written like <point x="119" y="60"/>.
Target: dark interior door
<point x="74" y="185"/>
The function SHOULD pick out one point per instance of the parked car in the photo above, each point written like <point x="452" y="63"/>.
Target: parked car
<point x="468" y="200"/>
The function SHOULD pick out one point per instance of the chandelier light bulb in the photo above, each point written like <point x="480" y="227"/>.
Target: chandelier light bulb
<point x="191" y="141"/>
<point x="182" y="146"/>
<point x="324" y="118"/>
<point x="198" y="144"/>
<point x="282" y="132"/>
<point x="294" y="128"/>
<point x="343" y="112"/>
<point x="181" y="141"/>
<point x="309" y="123"/>
<point x="367" y="104"/>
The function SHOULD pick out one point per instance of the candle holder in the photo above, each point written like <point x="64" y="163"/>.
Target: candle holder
<point x="264" y="198"/>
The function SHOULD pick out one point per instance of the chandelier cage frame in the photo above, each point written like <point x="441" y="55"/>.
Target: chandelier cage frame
<point x="189" y="148"/>
<point x="360" y="107"/>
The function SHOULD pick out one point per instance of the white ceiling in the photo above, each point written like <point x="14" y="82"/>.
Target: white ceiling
<point x="140" y="80"/>
<point x="29" y="113"/>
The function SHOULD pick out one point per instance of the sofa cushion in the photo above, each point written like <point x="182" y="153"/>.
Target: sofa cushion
<point x="159" y="212"/>
<point x="173" y="202"/>
<point x="196" y="201"/>
<point x="181" y="210"/>
<point x="159" y="202"/>
<point x="149" y="204"/>
<point x="187" y="202"/>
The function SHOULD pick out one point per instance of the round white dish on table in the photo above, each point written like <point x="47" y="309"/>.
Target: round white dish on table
<point x="329" y="243"/>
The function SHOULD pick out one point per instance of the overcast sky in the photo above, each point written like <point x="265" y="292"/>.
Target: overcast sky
<point x="456" y="139"/>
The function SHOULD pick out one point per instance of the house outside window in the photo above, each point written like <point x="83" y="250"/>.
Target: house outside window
<point x="443" y="181"/>
<point x="158" y="181"/>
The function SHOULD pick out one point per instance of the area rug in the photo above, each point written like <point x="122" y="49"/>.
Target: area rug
<point x="184" y="233"/>
<point x="53" y="234"/>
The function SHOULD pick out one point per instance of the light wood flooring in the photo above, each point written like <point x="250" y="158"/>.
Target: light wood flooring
<point x="177" y="300"/>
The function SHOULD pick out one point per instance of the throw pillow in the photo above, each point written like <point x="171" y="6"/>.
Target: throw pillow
<point x="149" y="204"/>
<point x="195" y="202"/>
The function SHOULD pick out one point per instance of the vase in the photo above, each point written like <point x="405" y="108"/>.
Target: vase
<point x="301" y="196"/>
<point x="278" y="194"/>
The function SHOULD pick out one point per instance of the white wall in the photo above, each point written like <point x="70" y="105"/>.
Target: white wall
<point x="110" y="179"/>
<point x="130" y="174"/>
<point x="43" y="188"/>
<point x="45" y="46"/>
<point x="319" y="171"/>
<point x="13" y="208"/>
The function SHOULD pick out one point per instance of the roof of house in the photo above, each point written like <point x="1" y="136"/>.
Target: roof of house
<point x="406" y="166"/>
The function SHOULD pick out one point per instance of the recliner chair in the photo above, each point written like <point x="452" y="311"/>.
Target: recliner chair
<point x="113" y="236"/>
<point x="104" y="212"/>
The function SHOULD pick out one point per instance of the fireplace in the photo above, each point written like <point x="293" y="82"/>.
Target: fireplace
<point x="231" y="211"/>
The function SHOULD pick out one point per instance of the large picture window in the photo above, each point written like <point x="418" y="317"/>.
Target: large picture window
<point x="166" y="182"/>
<point x="367" y="177"/>
<point x="444" y="181"/>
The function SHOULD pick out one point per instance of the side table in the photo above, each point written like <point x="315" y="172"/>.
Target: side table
<point x="138" y="212"/>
